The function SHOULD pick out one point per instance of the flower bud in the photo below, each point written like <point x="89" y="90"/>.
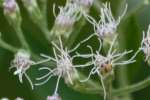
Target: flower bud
<point x="12" y="12"/>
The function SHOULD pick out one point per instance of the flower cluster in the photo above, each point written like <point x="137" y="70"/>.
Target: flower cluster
<point x="102" y="64"/>
<point x="64" y="66"/>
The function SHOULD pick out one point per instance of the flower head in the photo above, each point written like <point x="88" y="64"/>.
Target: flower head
<point x="22" y="63"/>
<point x="4" y="98"/>
<point x="67" y="16"/>
<point x="18" y="98"/>
<point x="10" y="6"/>
<point x="107" y="26"/>
<point x="145" y="44"/>
<point x="64" y="66"/>
<point x="84" y="4"/>
<point x="54" y="97"/>
<point x="104" y="65"/>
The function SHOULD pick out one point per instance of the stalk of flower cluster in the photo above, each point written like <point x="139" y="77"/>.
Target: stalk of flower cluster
<point x="12" y="13"/>
<point x="43" y="6"/>
<point x="37" y="16"/>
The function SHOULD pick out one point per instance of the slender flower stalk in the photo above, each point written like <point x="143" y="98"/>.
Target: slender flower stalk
<point x="12" y="13"/>
<point x="37" y="16"/>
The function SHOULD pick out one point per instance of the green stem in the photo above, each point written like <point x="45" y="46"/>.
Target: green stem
<point x="121" y="91"/>
<point x="97" y="5"/>
<point x="22" y="38"/>
<point x="7" y="46"/>
<point x="75" y="33"/>
<point x="132" y="88"/>
<point x="43" y="4"/>
<point x="86" y="87"/>
<point x="118" y="92"/>
<point x="108" y="86"/>
<point x="123" y="80"/>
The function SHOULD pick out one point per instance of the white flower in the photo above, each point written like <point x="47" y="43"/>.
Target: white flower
<point x="145" y="44"/>
<point x="103" y="65"/>
<point x="10" y="6"/>
<point x="106" y="27"/>
<point x="4" y="98"/>
<point x="54" y="97"/>
<point x="18" y="98"/>
<point x="67" y="16"/>
<point x="84" y="3"/>
<point x="64" y="66"/>
<point x="22" y="63"/>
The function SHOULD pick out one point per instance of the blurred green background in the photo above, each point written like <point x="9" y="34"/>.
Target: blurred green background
<point x="136" y="20"/>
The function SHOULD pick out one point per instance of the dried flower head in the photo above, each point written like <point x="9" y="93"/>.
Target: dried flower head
<point x="67" y="16"/>
<point x="65" y="67"/>
<point x="54" y="97"/>
<point x="107" y="26"/>
<point x="145" y="44"/>
<point x="22" y="63"/>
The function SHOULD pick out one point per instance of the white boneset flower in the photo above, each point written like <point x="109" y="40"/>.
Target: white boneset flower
<point x="103" y="65"/>
<point x="18" y="98"/>
<point x="145" y="44"/>
<point x="64" y="66"/>
<point x="22" y="63"/>
<point x="67" y="16"/>
<point x="84" y="3"/>
<point x="106" y="27"/>
<point x="10" y="6"/>
<point x="4" y="98"/>
<point x="54" y="97"/>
